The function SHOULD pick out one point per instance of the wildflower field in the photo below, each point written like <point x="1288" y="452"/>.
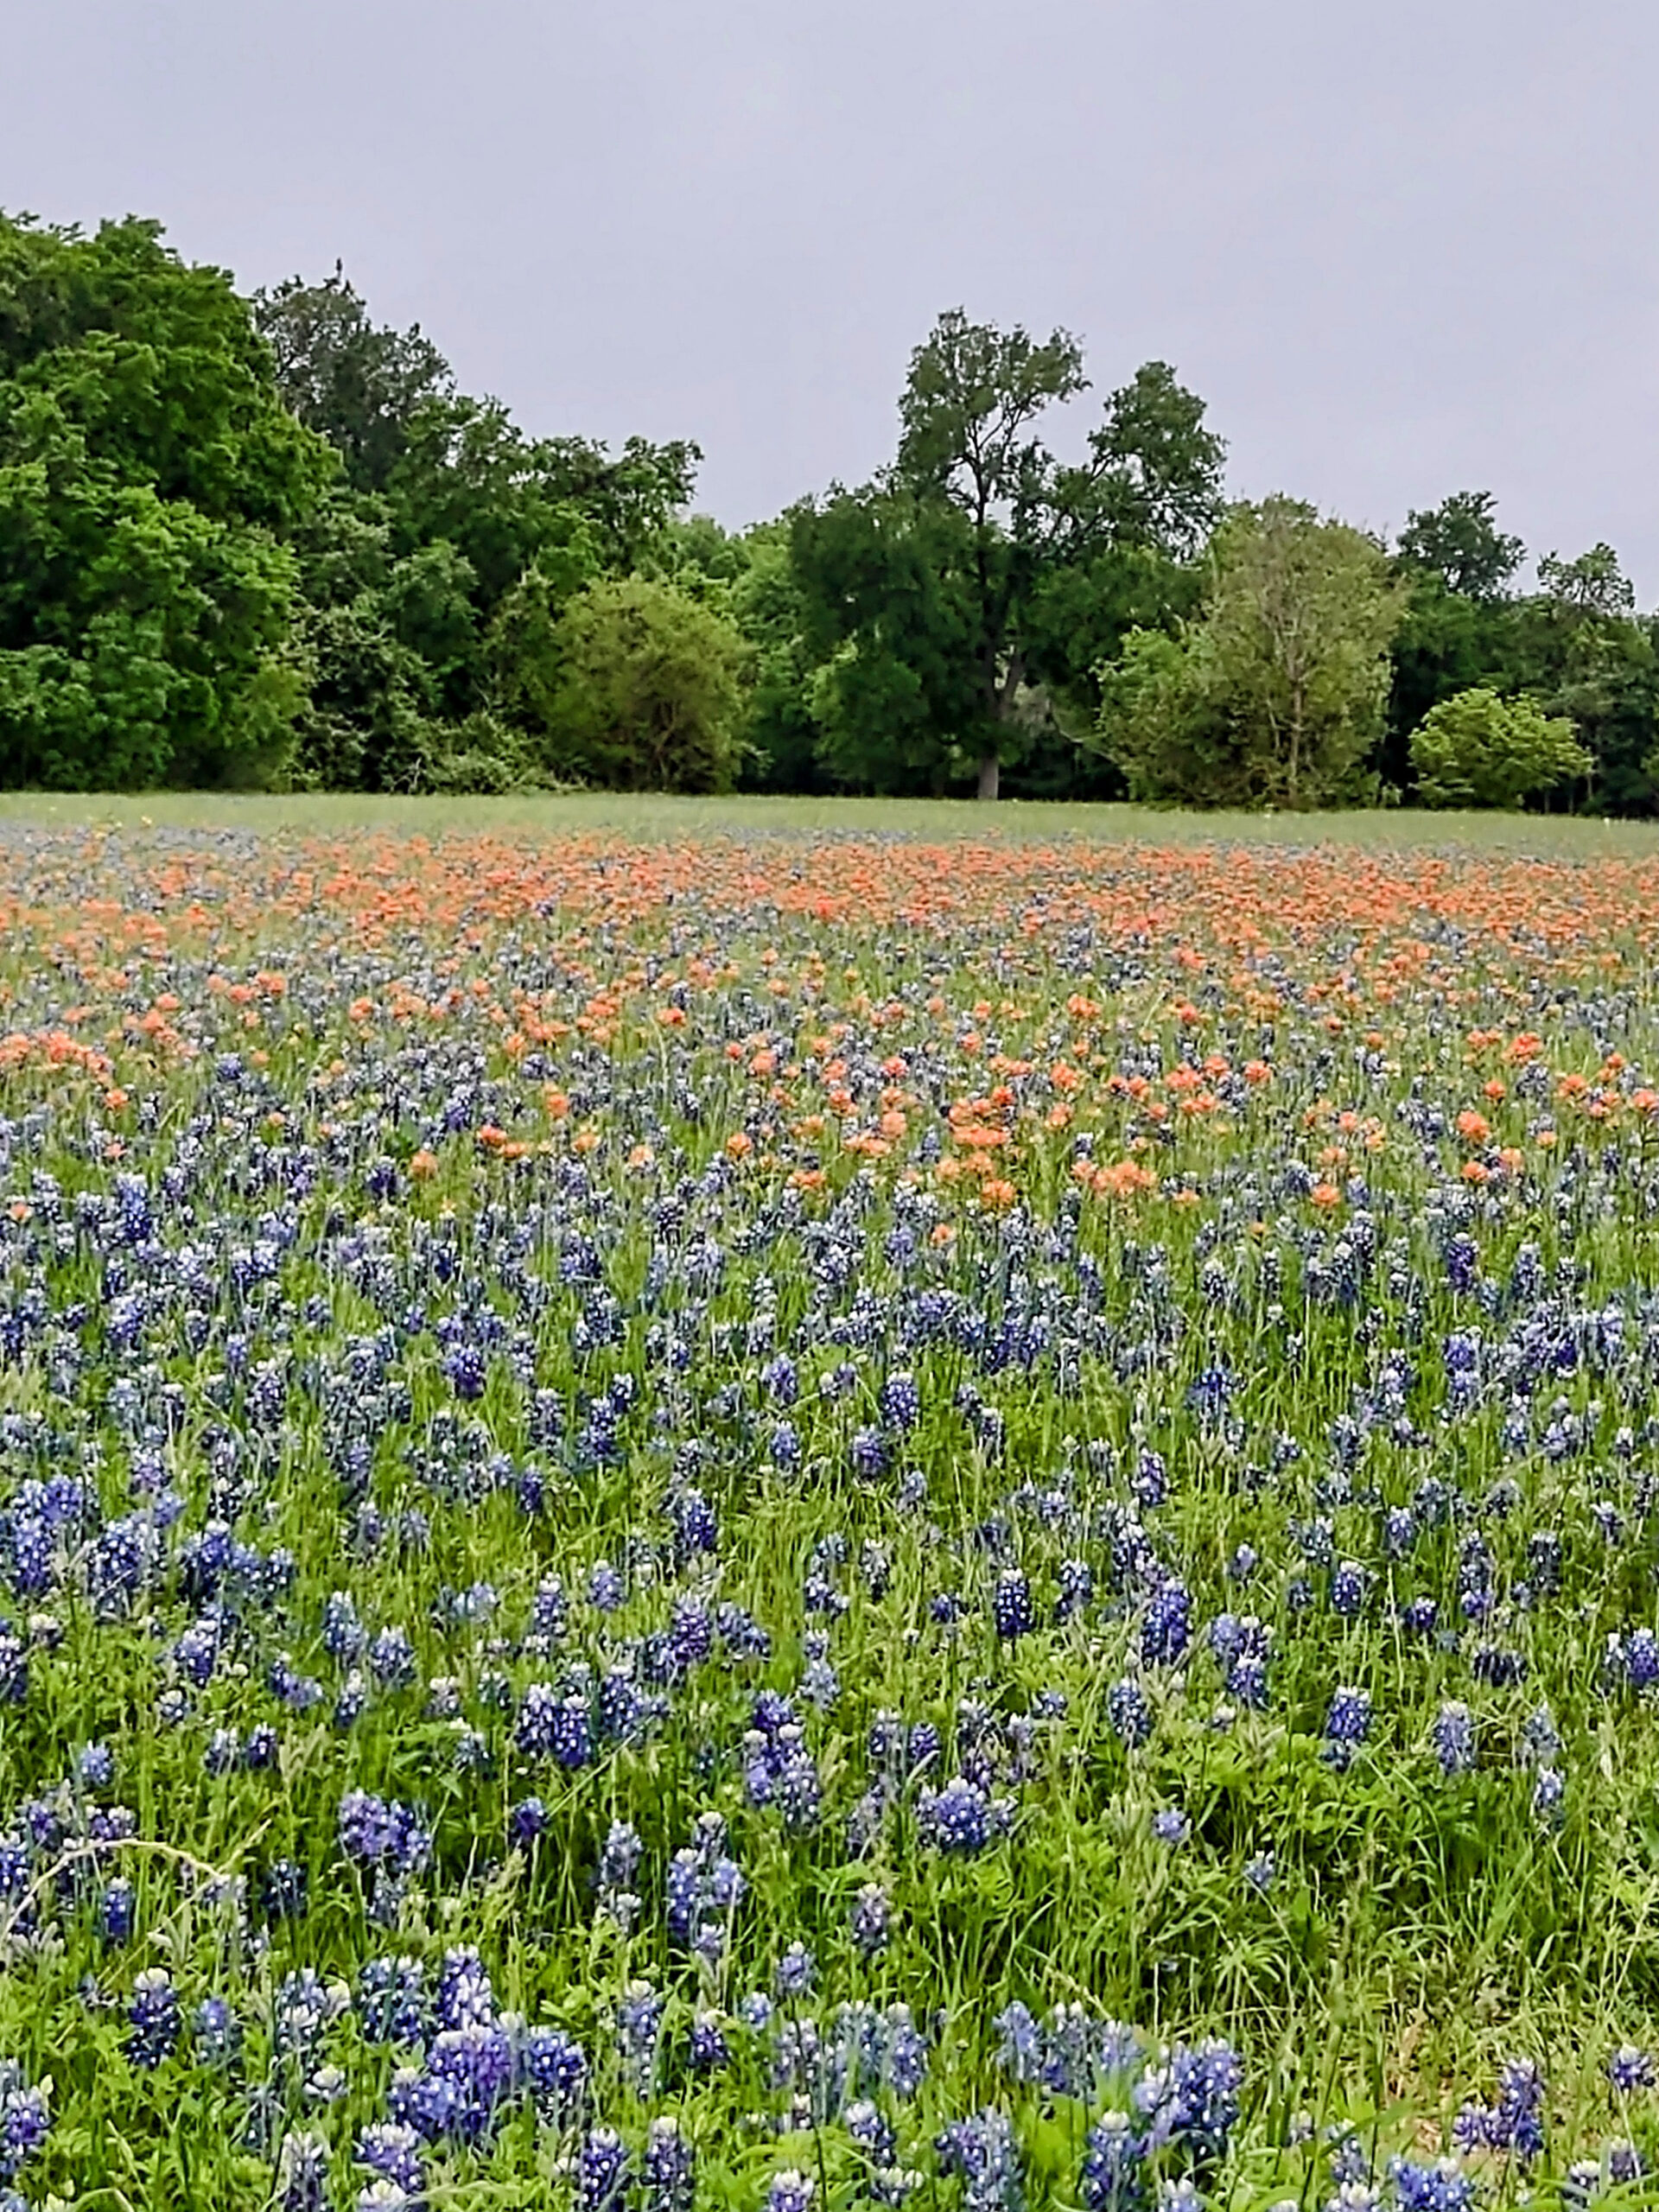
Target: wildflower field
<point x="825" y="1521"/>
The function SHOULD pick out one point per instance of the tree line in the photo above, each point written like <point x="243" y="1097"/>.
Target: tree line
<point x="265" y="541"/>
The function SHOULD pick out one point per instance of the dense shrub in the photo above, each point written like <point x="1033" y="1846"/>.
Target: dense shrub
<point x="642" y="690"/>
<point x="1480" y="750"/>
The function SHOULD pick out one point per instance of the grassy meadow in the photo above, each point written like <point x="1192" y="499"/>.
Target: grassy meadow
<point x="750" y="1502"/>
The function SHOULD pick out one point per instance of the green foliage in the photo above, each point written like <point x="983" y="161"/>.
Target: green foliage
<point x="780" y="730"/>
<point x="1276" y="695"/>
<point x="271" y="540"/>
<point x="1173" y="742"/>
<point x="1480" y="750"/>
<point x="148" y="472"/>
<point x="357" y="386"/>
<point x="427" y="662"/>
<point x="1610" y="691"/>
<point x="933" y="598"/>
<point x="503" y="500"/>
<point x="1574" y="645"/>
<point x="1592" y="585"/>
<point x="890" y="630"/>
<point x="522" y="649"/>
<point x="1460" y="544"/>
<point x="643" y="691"/>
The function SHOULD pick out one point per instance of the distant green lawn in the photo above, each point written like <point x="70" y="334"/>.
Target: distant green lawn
<point x="1564" y="837"/>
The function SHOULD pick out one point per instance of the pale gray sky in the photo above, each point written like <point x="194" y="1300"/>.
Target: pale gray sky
<point x="1402" y="249"/>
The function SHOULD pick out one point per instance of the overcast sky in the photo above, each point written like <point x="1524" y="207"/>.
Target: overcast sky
<point x="1402" y="247"/>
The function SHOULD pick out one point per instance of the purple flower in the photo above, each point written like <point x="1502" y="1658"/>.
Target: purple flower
<point x="153" y="2019"/>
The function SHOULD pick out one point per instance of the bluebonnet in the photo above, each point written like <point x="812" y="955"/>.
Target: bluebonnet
<point x="790" y="2190"/>
<point x="1114" y="2177"/>
<point x="1625" y="2163"/>
<point x="1128" y="1713"/>
<point x="1630" y="2069"/>
<point x="1347" y="1725"/>
<point x="302" y="2173"/>
<point x="1442" y="2187"/>
<point x="603" y="2173"/>
<point x="1349" y="1584"/>
<point x="395" y="2152"/>
<point x="1190" y="2096"/>
<point x="464" y="1997"/>
<point x="1011" y="1605"/>
<point x="961" y="1819"/>
<point x="1454" y="1738"/>
<point x="639" y="2033"/>
<point x="391" y="2000"/>
<point x="710" y="2053"/>
<point x="215" y="2032"/>
<point x="1548" y="1797"/>
<point x="667" y="2168"/>
<point x="25" y="2119"/>
<point x="1166" y="1627"/>
<point x="872" y="1919"/>
<point x="1515" y="2122"/>
<point x="155" y="2020"/>
<point x="554" y="2070"/>
<point x="379" y="1833"/>
<point x="797" y="1971"/>
<point x="869" y="1452"/>
<point x="704" y="1884"/>
<point x="982" y="2153"/>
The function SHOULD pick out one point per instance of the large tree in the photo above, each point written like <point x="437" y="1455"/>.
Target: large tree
<point x="149" y="475"/>
<point x="1460" y="544"/>
<point x="1276" y="695"/>
<point x="446" y="554"/>
<point x="357" y="384"/>
<point x="933" y="595"/>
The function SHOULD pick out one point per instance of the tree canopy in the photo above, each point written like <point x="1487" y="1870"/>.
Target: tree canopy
<point x="270" y="539"/>
<point x="1275" y="695"/>
<point x="150" y="474"/>
<point x="937" y="595"/>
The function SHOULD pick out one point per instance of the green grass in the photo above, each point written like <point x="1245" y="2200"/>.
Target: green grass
<point x="650" y="817"/>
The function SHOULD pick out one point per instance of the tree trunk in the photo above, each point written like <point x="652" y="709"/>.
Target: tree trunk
<point x="990" y="773"/>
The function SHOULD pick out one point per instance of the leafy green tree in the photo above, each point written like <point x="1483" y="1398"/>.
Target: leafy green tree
<point x="890" y="636"/>
<point x="148" y="476"/>
<point x="1276" y="695"/>
<point x="1586" y="655"/>
<point x="1575" y="644"/>
<point x="642" y="691"/>
<point x="1172" y="738"/>
<point x="470" y="475"/>
<point x="456" y="467"/>
<point x="371" y="701"/>
<point x="930" y="596"/>
<point x="748" y="576"/>
<point x="1463" y="627"/>
<point x="1593" y="586"/>
<point x="780" y="730"/>
<point x="484" y="534"/>
<point x="1480" y="750"/>
<point x="523" y="645"/>
<point x="358" y="385"/>
<point x="1460" y="544"/>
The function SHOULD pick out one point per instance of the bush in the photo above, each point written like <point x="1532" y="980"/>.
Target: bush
<point x="1480" y="750"/>
<point x="644" y="691"/>
<point x="478" y="755"/>
<point x="1275" y="695"/>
